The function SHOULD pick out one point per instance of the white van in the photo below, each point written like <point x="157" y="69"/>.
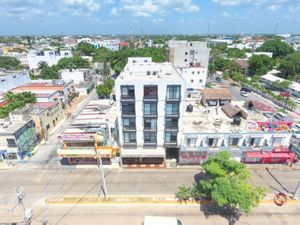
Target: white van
<point x="159" y="220"/>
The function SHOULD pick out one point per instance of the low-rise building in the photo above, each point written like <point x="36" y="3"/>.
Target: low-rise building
<point x="91" y="133"/>
<point x="194" y="76"/>
<point x="65" y="88"/>
<point x="232" y="128"/>
<point x="78" y="75"/>
<point x="11" y="79"/>
<point x="51" y="57"/>
<point x="17" y="138"/>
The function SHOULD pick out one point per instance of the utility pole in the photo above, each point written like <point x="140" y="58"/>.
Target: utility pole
<point x="100" y="165"/>
<point x="18" y="200"/>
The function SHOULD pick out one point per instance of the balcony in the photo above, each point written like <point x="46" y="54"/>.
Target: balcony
<point x="127" y="97"/>
<point x="128" y="113"/>
<point x="171" y="127"/>
<point x="150" y="97"/>
<point x="150" y="144"/>
<point x="130" y="127"/>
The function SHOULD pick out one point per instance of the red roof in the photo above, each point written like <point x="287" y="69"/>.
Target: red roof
<point x="45" y="104"/>
<point x="262" y="107"/>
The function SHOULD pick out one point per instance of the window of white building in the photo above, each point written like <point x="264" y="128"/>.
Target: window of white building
<point x="191" y="142"/>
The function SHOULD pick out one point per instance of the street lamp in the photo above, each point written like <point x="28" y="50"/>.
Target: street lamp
<point x="100" y="165"/>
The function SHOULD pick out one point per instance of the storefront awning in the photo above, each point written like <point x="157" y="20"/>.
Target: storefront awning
<point x="76" y="153"/>
<point x="235" y="136"/>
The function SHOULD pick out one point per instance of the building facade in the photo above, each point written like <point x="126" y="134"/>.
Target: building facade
<point x="50" y="57"/>
<point x="150" y="100"/>
<point x="185" y="54"/>
<point x="78" y="75"/>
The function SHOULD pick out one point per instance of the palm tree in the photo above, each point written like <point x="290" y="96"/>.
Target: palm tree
<point x="42" y="65"/>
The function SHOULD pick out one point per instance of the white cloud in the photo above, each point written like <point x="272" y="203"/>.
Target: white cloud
<point x="146" y="8"/>
<point x="91" y="5"/>
<point x="227" y="14"/>
<point x="114" y="11"/>
<point x="273" y="7"/>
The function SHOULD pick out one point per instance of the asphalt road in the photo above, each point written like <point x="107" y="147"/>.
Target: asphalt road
<point x="134" y="215"/>
<point x="39" y="184"/>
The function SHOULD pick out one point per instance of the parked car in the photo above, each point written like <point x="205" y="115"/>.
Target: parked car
<point x="297" y="101"/>
<point x="245" y="89"/>
<point x="281" y="116"/>
<point x="159" y="220"/>
<point x="244" y="93"/>
<point x="218" y="79"/>
<point x="296" y="133"/>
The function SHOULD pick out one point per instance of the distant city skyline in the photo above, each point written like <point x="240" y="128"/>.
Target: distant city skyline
<point x="64" y="17"/>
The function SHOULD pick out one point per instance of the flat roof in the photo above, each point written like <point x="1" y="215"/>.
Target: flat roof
<point x="214" y="120"/>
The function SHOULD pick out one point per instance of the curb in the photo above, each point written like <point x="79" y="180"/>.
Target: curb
<point x="92" y="200"/>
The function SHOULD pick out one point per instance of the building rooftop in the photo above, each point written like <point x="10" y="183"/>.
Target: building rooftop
<point x="9" y="128"/>
<point x="215" y="120"/>
<point x="212" y="93"/>
<point x="142" y="68"/>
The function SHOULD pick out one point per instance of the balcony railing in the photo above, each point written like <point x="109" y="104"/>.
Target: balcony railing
<point x="129" y="127"/>
<point x="128" y="113"/>
<point x="127" y="97"/>
<point x="171" y="127"/>
<point x="150" y="97"/>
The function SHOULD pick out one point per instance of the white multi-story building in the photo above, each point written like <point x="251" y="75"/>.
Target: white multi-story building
<point x="191" y="59"/>
<point x="150" y="101"/>
<point x="194" y="76"/>
<point x="11" y="79"/>
<point x="50" y="57"/>
<point x="184" y="53"/>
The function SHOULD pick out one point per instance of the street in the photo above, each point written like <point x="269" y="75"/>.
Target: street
<point x="134" y="214"/>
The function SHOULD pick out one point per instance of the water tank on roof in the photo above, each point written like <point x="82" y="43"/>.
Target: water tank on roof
<point x="236" y="120"/>
<point x="189" y="108"/>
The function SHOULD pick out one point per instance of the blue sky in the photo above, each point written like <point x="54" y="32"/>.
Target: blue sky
<point x="148" y="16"/>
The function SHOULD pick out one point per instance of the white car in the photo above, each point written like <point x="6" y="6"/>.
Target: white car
<point x="244" y="93"/>
<point x="297" y="101"/>
<point x="296" y="133"/>
<point x="159" y="220"/>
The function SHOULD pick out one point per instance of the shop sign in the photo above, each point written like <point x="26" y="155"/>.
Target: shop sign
<point x="76" y="137"/>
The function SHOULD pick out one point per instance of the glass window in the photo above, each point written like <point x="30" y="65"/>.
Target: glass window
<point x="277" y="141"/>
<point x="172" y="108"/>
<point x="254" y="141"/>
<point x="191" y="142"/>
<point x="128" y="122"/>
<point x="150" y="92"/>
<point x="233" y="141"/>
<point x="150" y="137"/>
<point x="150" y="108"/>
<point x="212" y="142"/>
<point x="128" y="108"/>
<point x="171" y="123"/>
<point x="150" y="123"/>
<point x="127" y="92"/>
<point x="170" y="137"/>
<point x="173" y="92"/>
<point x="11" y="142"/>
<point x="129" y="137"/>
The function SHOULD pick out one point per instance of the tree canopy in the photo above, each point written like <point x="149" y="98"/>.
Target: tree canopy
<point x="105" y="89"/>
<point x="10" y="63"/>
<point x="235" y="53"/>
<point x="294" y="58"/>
<point x="279" y="48"/>
<point x="86" y="48"/>
<point x="74" y="62"/>
<point x="227" y="183"/>
<point x="260" y="64"/>
<point x="18" y="100"/>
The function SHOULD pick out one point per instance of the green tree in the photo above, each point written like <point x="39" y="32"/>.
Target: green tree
<point x="286" y="68"/>
<point x="42" y="65"/>
<point x="104" y="90"/>
<point x="74" y="62"/>
<point x="279" y="48"/>
<point x="86" y="48"/>
<point x="235" y="53"/>
<point x="18" y="100"/>
<point x="294" y="58"/>
<point x="10" y="63"/>
<point x="260" y="64"/>
<point x="49" y="73"/>
<point x="227" y="183"/>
